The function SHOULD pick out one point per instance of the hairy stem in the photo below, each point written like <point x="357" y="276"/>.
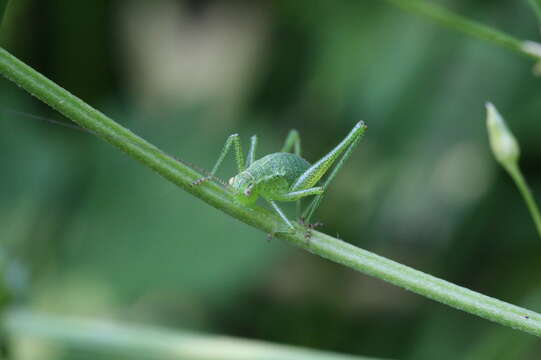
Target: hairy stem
<point x="320" y="244"/>
<point x="460" y="23"/>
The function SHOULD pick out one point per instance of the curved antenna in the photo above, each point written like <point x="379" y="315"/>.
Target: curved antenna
<point x="79" y="128"/>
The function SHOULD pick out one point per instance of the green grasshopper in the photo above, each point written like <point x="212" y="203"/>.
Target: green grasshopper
<point x="284" y="176"/>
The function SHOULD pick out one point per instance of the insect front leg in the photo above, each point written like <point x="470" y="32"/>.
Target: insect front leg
<point x="239" y="155"/>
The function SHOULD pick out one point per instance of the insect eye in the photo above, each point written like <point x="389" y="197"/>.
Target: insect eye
<point x="248" y="190"/>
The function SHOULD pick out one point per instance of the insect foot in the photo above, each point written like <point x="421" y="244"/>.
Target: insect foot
<point x="272" y="234"/>
<point x="309" y="228"/>
<point x="200" y="181"/>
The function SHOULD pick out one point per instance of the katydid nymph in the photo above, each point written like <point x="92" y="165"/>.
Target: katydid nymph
<point x="285" y="175"/>
<point x="281" y="176"/>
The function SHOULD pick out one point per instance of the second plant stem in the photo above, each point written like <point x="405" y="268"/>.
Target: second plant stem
<point x="516" y="174"/>
<point x="460" y="23"/>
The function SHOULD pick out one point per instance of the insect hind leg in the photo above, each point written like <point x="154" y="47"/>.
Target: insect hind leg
<point x="293" y="141"/>
<point x="314" y="204"/>
<point x="312" y="176"/>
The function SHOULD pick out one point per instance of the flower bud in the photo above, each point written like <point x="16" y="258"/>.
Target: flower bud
<point x="503" y="143"/>
<point x="532" y="48"/>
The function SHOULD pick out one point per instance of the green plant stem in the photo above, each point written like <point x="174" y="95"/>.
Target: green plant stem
<point x="460" y="23"/>
<point x="3" y="6"/>
<point x="320" y="244"/>
<point x="133" y="341"/>
<point x="536" y="6"/>
<point x="526" y="193"/>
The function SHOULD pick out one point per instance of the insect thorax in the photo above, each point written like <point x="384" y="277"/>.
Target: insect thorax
<point x="286" y="165"/>
<point x="269" y="176"/>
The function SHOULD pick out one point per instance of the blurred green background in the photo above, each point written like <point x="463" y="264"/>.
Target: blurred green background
<point x="85" y="230"/>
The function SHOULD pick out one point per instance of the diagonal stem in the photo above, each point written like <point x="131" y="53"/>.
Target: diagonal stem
<point x="320" y="244"/>
<point x="449" y="19"/>
<point x="3" y="6"/>
<point x="520" y="181"/>
<point x="536" y="7"/>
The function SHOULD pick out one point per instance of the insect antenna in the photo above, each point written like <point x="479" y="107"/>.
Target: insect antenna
<point x="81" y="129"/>
<point x="42" y="118"/>
<point x="204" y="172"/>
